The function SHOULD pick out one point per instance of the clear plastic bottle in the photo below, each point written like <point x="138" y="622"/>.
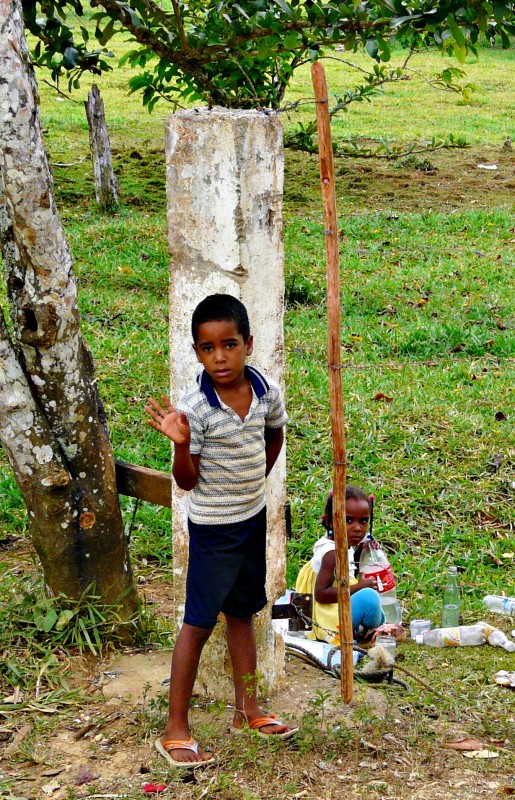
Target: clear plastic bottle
<point x="373" y="563"/>
<point x="451" y="600"/>
<point x="499" y="604"/>
<point x="461" y="636"/>
<point x="498" y="638"/>
<point x="467" y="635"/>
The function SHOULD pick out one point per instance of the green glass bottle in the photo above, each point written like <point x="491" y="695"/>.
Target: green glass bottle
<point x="451" y="600"/>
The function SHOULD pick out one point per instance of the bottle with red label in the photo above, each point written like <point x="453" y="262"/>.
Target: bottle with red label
<point x="373" y="563"/>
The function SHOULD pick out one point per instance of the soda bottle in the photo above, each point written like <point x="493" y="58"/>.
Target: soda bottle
<point x="461" y="636"/>
<point x="373" y="563"/>
<point x="451" y="600"/>
<point x="499" y="604"/>
<point x="498" y="638"/>
<point x="466" y="635"/>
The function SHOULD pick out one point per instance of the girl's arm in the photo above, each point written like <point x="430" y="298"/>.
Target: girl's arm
<point x="325" y="591"/>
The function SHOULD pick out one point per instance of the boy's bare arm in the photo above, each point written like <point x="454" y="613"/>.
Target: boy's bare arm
<point x="185" y="468"/>
<point x="174" y="424"/>
<point x="274" y="438"/>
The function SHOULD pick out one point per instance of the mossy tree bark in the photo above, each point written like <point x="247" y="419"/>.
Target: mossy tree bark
<point x="52" y="424"/>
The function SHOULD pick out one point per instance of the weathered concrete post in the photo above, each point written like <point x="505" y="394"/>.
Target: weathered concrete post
<point x="224" y="188"/>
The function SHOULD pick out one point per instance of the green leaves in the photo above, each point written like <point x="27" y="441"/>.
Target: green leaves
<point x="461" y="47"/>
<point x="242" y="54"/>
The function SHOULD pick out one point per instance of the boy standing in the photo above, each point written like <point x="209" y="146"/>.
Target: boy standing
<point x="227" y="434"/>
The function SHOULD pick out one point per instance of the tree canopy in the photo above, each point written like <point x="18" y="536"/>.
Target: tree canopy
<point x="243" y="54"/>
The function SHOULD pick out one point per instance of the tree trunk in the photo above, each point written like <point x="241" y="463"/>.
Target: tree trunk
<point x="52" y="423"/>
<point x="106" y="186"/>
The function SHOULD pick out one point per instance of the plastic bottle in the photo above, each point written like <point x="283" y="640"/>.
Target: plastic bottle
<point x="451" y="600"/>
<point x="498" y="638"/>
<point x="461" y="636"/>
<point x="499" y="604"/>
<point x="373" y="563"/>
<point x="466" y="635"/>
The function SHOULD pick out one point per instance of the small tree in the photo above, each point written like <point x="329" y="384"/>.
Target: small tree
<point x="243" y="54"/>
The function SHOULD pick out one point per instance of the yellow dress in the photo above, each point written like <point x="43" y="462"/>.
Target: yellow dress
<point x="325" y="615"/>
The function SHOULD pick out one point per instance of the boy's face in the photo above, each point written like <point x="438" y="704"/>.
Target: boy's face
<point x="222" y="351"/>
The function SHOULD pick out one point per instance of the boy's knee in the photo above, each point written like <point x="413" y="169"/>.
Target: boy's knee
<point x="195" y="632"/>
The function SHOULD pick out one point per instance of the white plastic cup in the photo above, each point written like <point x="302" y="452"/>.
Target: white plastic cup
<point x="388" y="642"/>
<point x="418" y="627"/>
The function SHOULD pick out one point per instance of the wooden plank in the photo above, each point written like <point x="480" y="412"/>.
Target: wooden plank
<point x="144" y="483"/>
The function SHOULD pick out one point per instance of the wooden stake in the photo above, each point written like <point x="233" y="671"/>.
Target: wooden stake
<point x="106" y="185"/>
<point x="325" y="150"/>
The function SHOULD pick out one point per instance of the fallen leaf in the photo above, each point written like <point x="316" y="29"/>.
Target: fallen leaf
<point x="464" y="744"/>
<point x="50" y="788"/>
<point x="496" y="463"/>
<point x="15" y="697"/>
<point x="18" y="739"/>
<point x="500" y="416"/>
<point x="382" y="396"/>
<point x="496" y="560"/>
<point x="505" y="678"/>
<point x="482" y="754"/>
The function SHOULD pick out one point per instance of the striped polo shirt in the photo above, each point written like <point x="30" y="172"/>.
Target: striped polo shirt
<point x="231" y="482"/>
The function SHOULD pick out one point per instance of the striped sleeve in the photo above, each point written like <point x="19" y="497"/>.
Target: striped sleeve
<point x="276" y="416"/>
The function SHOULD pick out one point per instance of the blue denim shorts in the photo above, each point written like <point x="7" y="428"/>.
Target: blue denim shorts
<point x="226" y="570"/>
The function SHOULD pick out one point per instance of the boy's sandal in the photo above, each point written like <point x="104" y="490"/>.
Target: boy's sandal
<point x="164" y="748"/>
<point x="262" y="722"/>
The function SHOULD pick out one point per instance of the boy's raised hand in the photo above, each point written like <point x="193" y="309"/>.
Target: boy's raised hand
<point x="172" y="423"/>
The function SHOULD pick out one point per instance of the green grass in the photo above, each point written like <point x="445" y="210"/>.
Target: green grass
<point x="446" y="366"/>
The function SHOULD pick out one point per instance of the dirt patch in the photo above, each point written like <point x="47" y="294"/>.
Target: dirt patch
<point x="445" y="181"/>
<point x="386" y="744"/>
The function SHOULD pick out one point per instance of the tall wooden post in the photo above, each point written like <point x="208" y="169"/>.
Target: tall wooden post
<point x="335" y="380"/>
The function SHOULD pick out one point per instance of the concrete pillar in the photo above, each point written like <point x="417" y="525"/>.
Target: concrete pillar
<point x="224" y="190"/>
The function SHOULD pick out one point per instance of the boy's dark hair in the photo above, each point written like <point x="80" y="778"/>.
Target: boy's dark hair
<point x="351" y="493"/>
<point x="221" y="307"/>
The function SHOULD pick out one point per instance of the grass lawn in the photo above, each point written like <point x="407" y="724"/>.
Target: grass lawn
<point x="428" y="347"/>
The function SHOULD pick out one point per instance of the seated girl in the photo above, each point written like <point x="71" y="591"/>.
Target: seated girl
<point x="317" y="577"/>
